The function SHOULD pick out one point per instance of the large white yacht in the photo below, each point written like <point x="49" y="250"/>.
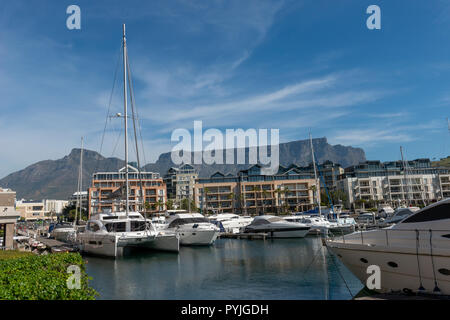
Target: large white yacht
<point x="413" y="255"/>
<point x="231" y="223"/>
<point x="108" y="233"/>
<point x="192" y="228"/>
<point x="277" y="227"/>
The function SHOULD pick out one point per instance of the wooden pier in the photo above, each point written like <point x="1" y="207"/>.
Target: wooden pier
<point x="249" y="236"/>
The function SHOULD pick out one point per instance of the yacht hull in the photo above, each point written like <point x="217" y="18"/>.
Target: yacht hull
<point x="399" y="268"/>
<point x="100" y="244"/>
<point x="198" y="237"/>
<point x="297" y="232"/>
<point x="64" y="235"/>
<point x="165" y="242"/>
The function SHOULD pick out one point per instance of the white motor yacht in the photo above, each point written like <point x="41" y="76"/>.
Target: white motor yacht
<point x="65" y="232"/>
<point x="108" y="233"/>
<point x="277" y="227"/>
<point x="192" y="228"/>
<point x="413" y="255"/>
<point x="232" y="223"/>
<point x="318" y="225"/>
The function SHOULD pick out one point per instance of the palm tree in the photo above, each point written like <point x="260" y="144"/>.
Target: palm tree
<point x="254" y="189"/>
<point x="205" y="193"/>
<point x="231" y="196"/>
<point x="264" y="199"/>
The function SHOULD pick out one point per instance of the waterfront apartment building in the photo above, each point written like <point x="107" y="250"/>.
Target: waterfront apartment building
<point x="328" y="173"/>
<point x="55" y="207"/>
<point x="31" y="210"/>
<point x="8" y="217"/>
<point x="250" y="192"/>
<point x="395" y="182"/>
<point x="83" y="196"/>
<point x="107" y="192"/>
<point x="185" y="181"/>
<point x="170" y="179"/>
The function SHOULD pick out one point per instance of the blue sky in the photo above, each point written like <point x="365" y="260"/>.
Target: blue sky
<point x="293" y="65"/>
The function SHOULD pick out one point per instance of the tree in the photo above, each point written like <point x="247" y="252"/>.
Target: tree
<point x="232" y="196"/>
<point x="264" y="193"/>
<point x="169" y="204"/>
<point x="205" y="194"/>
<point x="68" y="213"/>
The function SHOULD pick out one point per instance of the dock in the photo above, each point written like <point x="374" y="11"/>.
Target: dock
<point x="249" y="236"/>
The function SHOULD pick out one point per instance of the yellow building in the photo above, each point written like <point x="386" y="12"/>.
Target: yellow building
<point x="250" y="192"/>
<point x="107" y="192"/>
<point x="31" y="210"/>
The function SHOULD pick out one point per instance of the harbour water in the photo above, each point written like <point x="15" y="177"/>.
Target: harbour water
<point x="230" y="269"/>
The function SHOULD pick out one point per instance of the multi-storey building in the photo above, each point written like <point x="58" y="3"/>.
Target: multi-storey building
<point x="170" y="179"/>
<point x="328" y="173"/>
<point x="250" y="192"/>
<point x="185" y="181"/>
<point x="8" y="217"/>
<point x="107" y="192"/>
<point x="81" y="196"/>
<point x="396" y="182"/>
<point x="55" y="207"/>
<point x="31" y="210"/>
<point x="444" y="184"/>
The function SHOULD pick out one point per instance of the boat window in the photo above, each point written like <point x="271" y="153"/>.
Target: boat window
<point x="275" y="219"/>
<point x="110" y="218"/>
<point x="258" y="222"/>
<point x="438" y="212"/>
<point x="180" y="221"/>
<point x="137" y="225"/>
<point x="116" y="227"/>
<point x="404" y="212"/>
<point x="93" y="227"/>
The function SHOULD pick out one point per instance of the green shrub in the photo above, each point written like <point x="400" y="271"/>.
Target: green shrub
<point x="43" y="278"/>
<point x="13" y="254"/>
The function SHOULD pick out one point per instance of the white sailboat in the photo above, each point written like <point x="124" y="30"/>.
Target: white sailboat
<point x="109" y="233"/>
<point x="321" y="224"/>
<point x="64" y="231"/>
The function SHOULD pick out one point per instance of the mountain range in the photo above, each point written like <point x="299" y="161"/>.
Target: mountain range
<point x="58" y="179"/>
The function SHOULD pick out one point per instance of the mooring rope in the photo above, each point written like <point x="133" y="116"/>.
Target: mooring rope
<point x="421" y="288"/>
<point x="339" y="272"/>
<point x="436" y="288"/>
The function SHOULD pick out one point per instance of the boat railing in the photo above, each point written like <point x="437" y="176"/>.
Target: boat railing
<point x="388" y="235"/>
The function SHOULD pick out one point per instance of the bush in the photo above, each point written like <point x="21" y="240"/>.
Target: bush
<point x="43" y="278"/>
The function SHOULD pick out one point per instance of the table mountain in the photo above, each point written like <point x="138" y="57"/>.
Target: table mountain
<point x="57" y="179"/>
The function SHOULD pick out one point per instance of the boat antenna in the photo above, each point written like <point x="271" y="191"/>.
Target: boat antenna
<point x="405" y="173"/>
<point x="80" y="185"/>
<point x="124" y="43"/>
<point x="315" y="175"/>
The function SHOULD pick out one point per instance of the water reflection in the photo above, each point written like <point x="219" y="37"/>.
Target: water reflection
<point x="231" y="269"/>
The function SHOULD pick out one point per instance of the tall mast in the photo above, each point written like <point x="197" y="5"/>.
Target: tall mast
<point x="80" y="185"/>
<point x="125" y="117"/>
<point x="315" y="175"/>
<point x="406" y="177"/>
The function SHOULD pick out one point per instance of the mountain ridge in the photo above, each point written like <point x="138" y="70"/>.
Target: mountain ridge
<point x="57" y="179"/>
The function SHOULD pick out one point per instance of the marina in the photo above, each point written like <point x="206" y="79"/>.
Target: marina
<point x="229" y="269"/>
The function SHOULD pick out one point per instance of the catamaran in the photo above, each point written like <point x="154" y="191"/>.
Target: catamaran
<point x="108" y="233"/>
